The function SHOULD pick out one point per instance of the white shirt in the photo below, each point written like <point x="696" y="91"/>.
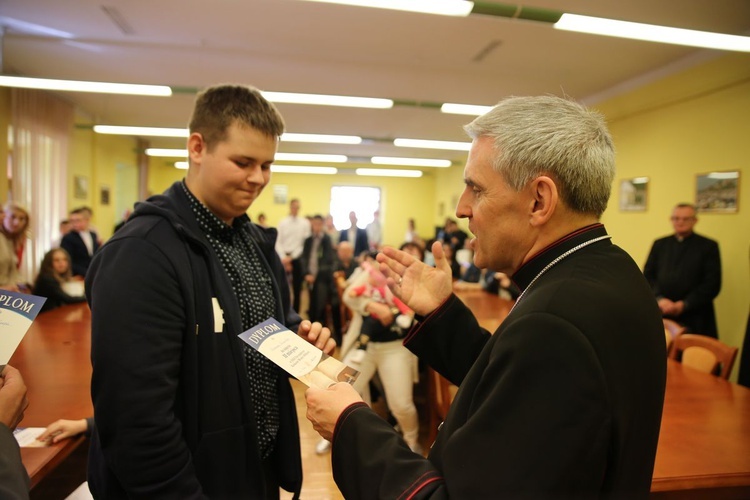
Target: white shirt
<point x="293" y="231"/>
<point x="374" y="234"/>
<point x="88" y="240"/>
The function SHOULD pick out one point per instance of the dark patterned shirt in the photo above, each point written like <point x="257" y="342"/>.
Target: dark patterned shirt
<point x="253" y="285"/>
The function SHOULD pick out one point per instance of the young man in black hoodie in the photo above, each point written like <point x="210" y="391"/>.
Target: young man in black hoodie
<point x="183" y="408"/>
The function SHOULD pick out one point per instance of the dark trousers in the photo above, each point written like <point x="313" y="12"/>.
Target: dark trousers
<point x="297" y="279"/>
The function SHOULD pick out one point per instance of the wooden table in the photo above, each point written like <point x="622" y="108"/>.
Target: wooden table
<point x="53" y="359"/>
<point x="489" y="309"/>
<point x="704" y="443"/>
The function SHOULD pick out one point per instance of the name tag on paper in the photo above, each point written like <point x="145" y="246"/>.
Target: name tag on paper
<point x="218" y="316"/>
<point x="297" y="356"/>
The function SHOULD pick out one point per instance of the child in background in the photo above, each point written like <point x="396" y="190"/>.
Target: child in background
<point x="54" y="276"/>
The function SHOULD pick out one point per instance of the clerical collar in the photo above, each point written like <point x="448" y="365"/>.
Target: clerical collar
<point x="529" y="271"/>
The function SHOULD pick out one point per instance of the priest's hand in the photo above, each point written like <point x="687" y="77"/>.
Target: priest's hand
<point x="423" y="288"/>
<point x="325" y="406"/>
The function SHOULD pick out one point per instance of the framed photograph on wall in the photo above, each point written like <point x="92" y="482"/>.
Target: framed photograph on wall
<point x="634" y="194"/>
<point x="104" y="195"/>
<point x="718" y="192"/>
<point x="80" y="187"/>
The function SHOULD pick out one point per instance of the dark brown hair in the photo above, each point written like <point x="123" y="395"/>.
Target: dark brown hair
<point x="218" y="107"/>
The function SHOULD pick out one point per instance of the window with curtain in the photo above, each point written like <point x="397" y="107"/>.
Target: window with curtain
<point x="38" y="142"/>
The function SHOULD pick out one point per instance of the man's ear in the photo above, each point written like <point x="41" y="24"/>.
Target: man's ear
<point x="196" y="147"/>
<point x="545" y="198"/>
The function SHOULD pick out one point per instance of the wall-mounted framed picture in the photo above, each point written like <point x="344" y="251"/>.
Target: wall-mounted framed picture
<point x="634" y="194"/>
<point x="104" y="195"/>
<point x="280" y="194"/>
<point x="80" y="187"/>
<point x="718" y="192"/>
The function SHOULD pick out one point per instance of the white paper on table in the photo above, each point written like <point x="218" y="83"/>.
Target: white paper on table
<point x="26" y="437"/>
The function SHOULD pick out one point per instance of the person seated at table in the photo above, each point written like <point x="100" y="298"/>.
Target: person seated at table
<point x="54" y="275"/>
<point x="450" y="255"/>
<point x="15" y="228"/>
<point x="8" y="260"/>
<point x="64" y="429"/>
<point x="413" y="248"/>
<point x="488" y="280"/>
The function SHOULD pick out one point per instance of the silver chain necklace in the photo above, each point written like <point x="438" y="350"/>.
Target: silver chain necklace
<point x="558" y="259"/>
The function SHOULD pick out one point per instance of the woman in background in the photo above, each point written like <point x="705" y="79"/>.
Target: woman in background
<point x="53" y="274"/>
<point x="15" y="228"/>
<point x="8" y="267"/>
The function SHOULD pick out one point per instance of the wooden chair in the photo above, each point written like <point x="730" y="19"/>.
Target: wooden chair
<point x="346" y="314"/>
<point x="671" y="330"/>
<point x="440" y="394"/>
<point x="703" y="353"/>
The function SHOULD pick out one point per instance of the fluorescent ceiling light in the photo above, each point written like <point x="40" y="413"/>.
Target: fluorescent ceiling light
<point x="169" y="153"/>
<point x="80" y="86"/>
<point x="182" y="165"/>
<point x="34" y="29"/>
<point x="388" y="172"/>
<point x="183" y="132"/>
<point x="321" y="138"/>
<point x="303" y="169"/>
<point x="464" y="109"/>
<point x="328" y="100"/>
<point x="412" y="162"/>
<point x="442" y="7"/>
<point x="424" y="143"/>
<point x="148" y="131"/>
<point x="652" y="33"/>
<point x="310" y="157"/>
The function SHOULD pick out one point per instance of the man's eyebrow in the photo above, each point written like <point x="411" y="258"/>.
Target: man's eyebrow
<point x="469" y="182"/>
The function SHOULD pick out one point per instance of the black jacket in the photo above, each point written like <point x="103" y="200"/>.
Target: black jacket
<point x="360" y="244"/>
<point x="326" y="257"/>
<point x="169" y="386"/>
<point x="563" y="401"/>
<point x="14" y="481"/>
<point x="79" y="254"/>
<point x="690" y="271"/>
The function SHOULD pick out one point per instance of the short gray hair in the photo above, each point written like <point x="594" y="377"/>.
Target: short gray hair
<point x="548" y="135"/>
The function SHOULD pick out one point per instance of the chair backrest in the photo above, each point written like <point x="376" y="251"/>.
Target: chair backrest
<point x="440" y="394"/>
<point x="671" y="330"/>
<point x="703" y="353"/>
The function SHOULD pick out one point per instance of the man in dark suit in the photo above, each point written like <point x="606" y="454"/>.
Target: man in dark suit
<point x="318" y="259"/>
<point x="355" y="235"/>
<point x="81" y="243"/>
<point x="684" y="271"/>
<point x="564" y="400"/>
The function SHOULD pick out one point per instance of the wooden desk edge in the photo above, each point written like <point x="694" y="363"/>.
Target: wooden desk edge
<point x="680" y="483"/>
<point x="40" y="468"/>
